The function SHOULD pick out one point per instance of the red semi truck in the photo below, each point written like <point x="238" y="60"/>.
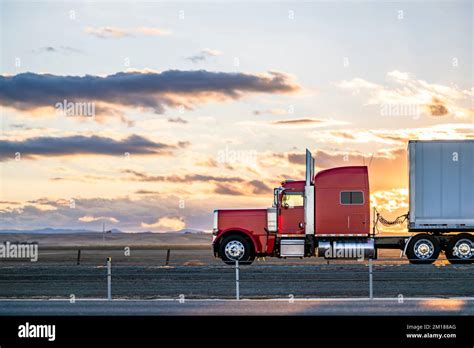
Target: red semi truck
<point x="328" y="214"/>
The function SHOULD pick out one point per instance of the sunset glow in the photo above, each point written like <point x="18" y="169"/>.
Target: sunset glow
<point x="149" y="122"/>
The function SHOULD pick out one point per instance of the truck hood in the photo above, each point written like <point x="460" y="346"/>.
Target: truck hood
<point x="248" y="219"/>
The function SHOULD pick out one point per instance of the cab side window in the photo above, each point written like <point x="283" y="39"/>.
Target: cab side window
<point x="293" y="199"/>
<point x="352" y="197"/>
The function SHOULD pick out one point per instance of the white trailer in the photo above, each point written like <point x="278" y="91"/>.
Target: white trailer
<point x="441" y="199"/>
<point x="441" y="185"/>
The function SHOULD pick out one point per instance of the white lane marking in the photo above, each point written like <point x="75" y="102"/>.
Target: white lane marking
<point x="344" y="299"/>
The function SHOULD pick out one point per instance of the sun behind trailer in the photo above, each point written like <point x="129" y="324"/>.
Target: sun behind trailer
<point x="328" y="214"/>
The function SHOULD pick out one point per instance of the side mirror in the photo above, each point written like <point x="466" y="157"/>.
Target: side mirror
<point x="286" y="205"/>
<point x="276" y="196"/>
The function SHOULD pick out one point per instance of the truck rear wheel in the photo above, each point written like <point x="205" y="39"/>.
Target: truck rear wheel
<point x="460" y="249"/>
<point x="236" y="248"/>
<point x="423" y="249"/>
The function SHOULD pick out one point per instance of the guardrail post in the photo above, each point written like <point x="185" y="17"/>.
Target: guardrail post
<point x="109" y="278"/>
<point x="168" y="252"/>
<point x="237" y="280"/>
<point x="78" y="257"/>
<point x="371" y="286"/>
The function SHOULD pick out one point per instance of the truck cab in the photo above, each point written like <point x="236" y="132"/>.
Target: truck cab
<point x="332" y="203"/>
<point x="328" y="213"/>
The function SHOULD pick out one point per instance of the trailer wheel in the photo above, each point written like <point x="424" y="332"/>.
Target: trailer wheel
<point x="460" y="249"/>
<point x="423" y="249"/>
<point x="236" y="247"/>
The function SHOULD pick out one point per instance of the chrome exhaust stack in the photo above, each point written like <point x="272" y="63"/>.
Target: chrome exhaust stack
<point x="309" y="195"/>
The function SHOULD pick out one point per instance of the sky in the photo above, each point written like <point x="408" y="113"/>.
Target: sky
<point x="147" y="116"/>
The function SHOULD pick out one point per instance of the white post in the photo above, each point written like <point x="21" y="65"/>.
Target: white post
<point x="109" y="278"/>
<point x="237" y="282"/>
<point x="371" y="287"/>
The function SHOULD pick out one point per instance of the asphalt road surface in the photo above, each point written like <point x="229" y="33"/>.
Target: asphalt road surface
<point x="242" y="307"/>
<point x="197" y="275"/>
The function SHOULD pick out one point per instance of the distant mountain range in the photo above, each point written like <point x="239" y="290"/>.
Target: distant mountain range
<point x="71" y="231"/>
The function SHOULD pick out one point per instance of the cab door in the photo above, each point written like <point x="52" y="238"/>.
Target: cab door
<point x="292" y="213"/>
<point x="356" y="223"/>
<point x="353" y="209"/>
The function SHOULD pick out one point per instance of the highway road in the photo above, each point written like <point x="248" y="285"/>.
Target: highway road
<point x="377" y="306"/>
<point x="42" y="281"/>
<point x="195" y="275"/>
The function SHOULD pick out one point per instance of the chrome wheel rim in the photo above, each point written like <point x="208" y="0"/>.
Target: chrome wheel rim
<point x="234" y="250"/>
<point x="463" y="249"/>
<point x="424" y="249"/>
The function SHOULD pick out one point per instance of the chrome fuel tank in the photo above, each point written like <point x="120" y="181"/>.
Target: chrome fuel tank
<point x="363" y="248"/>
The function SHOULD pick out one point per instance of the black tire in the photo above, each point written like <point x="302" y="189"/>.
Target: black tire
<point x="247" y="256"/>
<point x="417" y="252"/>
<point x="454" y="243"/>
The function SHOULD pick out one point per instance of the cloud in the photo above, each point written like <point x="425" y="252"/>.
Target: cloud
<point x="222" y="184"/>
<point x="141" y="90"/>
<point x="328" y="159"/>
<point x="89" y="218"/>
<point x="177" y="120"/>
<point x="58" y="49"/>
<point x="227" y="190"/>
<point x="404" y="90"/>
<point x="297" y="158"/>
<point x="298" y="121"/>
<point x="390" y="200"/>
<point x="141" y="176"/>
<point x="116" y="32"/>
<point x="308" y="122"/>
<point x="259" y="187"/>
<point x="275" y="111"/>
<point x="209" y="162"/>
<point x="130" y="213"/>
<point x="437" y="108"/>
<point x="357" y="84"/>
<point x="203" y="55"/>
<point x="166" y="224"/>
<point x="83" y="145"/>
<point x="256" y="187"/>
<point x="146" y="192"/>
<point x="395" y="137"/>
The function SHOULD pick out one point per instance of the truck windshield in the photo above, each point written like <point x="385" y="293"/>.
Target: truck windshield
<point x="293" y="199"/>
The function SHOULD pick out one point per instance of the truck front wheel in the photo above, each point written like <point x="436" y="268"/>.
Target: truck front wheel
<point x="423" y="249"/>
<point x="236" y="248"/>
<point x="460" y="249"/>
